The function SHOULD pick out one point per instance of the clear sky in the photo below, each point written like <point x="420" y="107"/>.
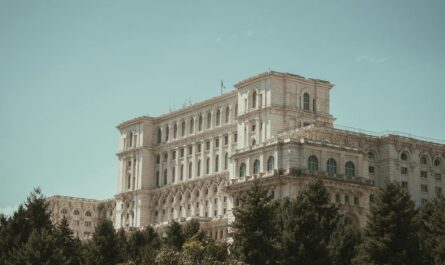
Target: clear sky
<point x="70" y="71"/>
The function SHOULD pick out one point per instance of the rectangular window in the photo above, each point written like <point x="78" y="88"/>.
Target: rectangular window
<point x="207" y="145"/>
<point x="199" y="148"/>
<point x="356" y="201"/>
<point x="346" y="199"/>
<point x="337" y="198"/>
<point x="216" y="142"/>
<point x="190" y="150"/>
<point x="438" y="191"/>
<point x="225" y="210"/>
<point x="253" y="127"/>
<point x="182" y="152"/>
<point x="158" y="159"/>
<point x="371" y="198"/>
<point x="174" y="155"/>
<point x="226" y="139"/>
<point x="438" y="176"/>
<point x="404" y="170"/>
<point x="225" y="198"/>
<point x="423" y="202"/>
<point x="371" y="170"/>
<point x="405" y="184"/>
<point x="235" y="137"/>
<point x="87" y="223"/>
<point x="165" y="157"/>
<point x="424" y="188"/>
<point x="423" y="174"/>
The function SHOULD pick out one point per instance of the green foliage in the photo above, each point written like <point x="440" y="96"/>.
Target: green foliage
<point x="432" y="231"/>
<point x="69" y="246"/>
<point x="391" y="233"/>
<point x="175" y="236"/>
<point x="255" y="233"/>
<point x="168" y="256"/>
<point x="191" y="229"/>
<point x="343" y="243"/>
<point x="142" y="246"/>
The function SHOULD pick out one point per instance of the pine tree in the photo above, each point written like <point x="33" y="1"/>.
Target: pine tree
<point x="344" y="243"/>
<point x="255" y="233"/>
<point x="432" y="231"/>
<point x="142" y="246"/>
<point x="70" y="246"/>
<point x="105" y="247"/>
<point x="307" y="224"/>
<point x="175" y="236"/>
<point x="191" y="229"/>
<point x="391" y="232"/>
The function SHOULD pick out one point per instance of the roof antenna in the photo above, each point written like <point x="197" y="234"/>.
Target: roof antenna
<point x="222" y="86"/>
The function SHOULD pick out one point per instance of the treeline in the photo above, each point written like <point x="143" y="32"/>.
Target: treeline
<point x="304" y="230"/>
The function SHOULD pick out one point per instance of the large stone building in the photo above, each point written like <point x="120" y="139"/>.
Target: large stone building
<point x="276" y="128"/>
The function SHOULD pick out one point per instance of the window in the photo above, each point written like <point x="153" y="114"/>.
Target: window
<point x="165" y="157"/>
<point x="404" y="170"/>
<point x="226" y="161"/>
<point x="209" y="120"/>
<point x="438" y="176"/>
<point x="235" y="137"/>
<point x="346" y="199"/>
<point x="423" y="174"/>
<point x="216" y="142"/>
<point x="200" y="123"/>
<point x="173" y="174"/>
<point x="190" y="169"/>
<point x="436" y="162"/>
<point x="253" y="127"/>
<point x="423" y="188"/>
<point x="208" y="166"/>
<point x="183" y="129"/>
<point x="181" y="152"/>
<point x="76" y="212"/>
<point x="227" y="115"/>
<point x="218" y="117"/>
<point x="159" y="136"/>
<point x="306" y="101"/>
<point x="253" y="142"/>
<point x="371" y="156"/>
<point x="256" y="167"/>
<point x="438" y="191"/>
<point x="404" y="184"/>
<point x="270" y="163"/>
<point x="236" y="111"/>
<point x="423" y="202"/>
<point x="175" y="131"/>
<point x="199" y="147"/>
<point x="423" y="160"/>
<point x="88" y="223"/>
<point x="371" y="198"/>
<point x="157" y="178"/>
<point x="88" y="214"/>
<point x="313" y="163"/>
<point x="190" y="148"/>
<point x="371" y="170"/>
<point x="181" y="172"/>
<point x="207" y="145"/>
<point x="192" y="125"/>
<point x="165" y="177"/>
<point x="167" y="132"/>
<point x="337" y="198"/>
<point x="242" y="170"/>
<point x="254" y="96"/>
<point x="314" y="105"/>
<point x="216" y="163"/>
<point x="173" y="155"/>
<point x="349" y="169"/>
<point x="332" y="167"/>
<point x="404" y="156"/>
<point x="356" y="201"/>
<point x="226" y="139"/>
<point x="198" y="169"/>
<point x="64" y="211"/>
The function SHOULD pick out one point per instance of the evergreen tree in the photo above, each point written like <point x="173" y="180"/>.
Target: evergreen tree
<point x="391" y="232"/>
<point x="70" y="246"/>
<point x="432" y="231"/>
<point x="174" y="236"/>
<point x="344" y="243"/>
<point x="255" y="233"/>
<point x="105" y="247"/>
<point x="307" y="225"/>
<point x="142" y="246"/>
<point x="168" y="256"/>
<point x="40" y="249"/>
<point x="191" y="229"/>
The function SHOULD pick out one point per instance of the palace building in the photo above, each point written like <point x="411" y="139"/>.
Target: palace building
<point x="275" y="128"/>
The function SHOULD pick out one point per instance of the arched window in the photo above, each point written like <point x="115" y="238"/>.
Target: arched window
<point x="76" y="212"/>
<point x="227" y="115"/>
<point x="159" y="135"/>
<point x="216" y="163"/>
<point x="256" y="167"/>
<point x="200" y="123"/>
<point x="192" y="125"/>
<point x="371" y="156"/>
<point x="437" y="162"/>
<point x="165" y="177"/>
<point x="306" y="101"/>
<point x="423" y="160"/>
<point x="313" y="163"/>
<point x="270" y="163"/>
<point x="183" y="128"/>
<point x="64" y="211"/>
<point x="254" y="96"/>
<point x="208" y="166"/>
<point x="190" y="170"/>
<point x="349" y="169"/>
<point x="209" y="119"/>
<point x="404" y="156"/>
<point x="167" y="132"/>
<point x="332" y="166"/>
<point x="198" y="170"/>
<point x="175" y="131"/>
<point x="88" y="213"/>
<point x="226" y="161"/>
<point x="218" y="117"/>
<point x="242" y="170"/>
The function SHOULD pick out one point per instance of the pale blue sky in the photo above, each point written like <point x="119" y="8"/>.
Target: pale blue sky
<point x="70" y="71"/>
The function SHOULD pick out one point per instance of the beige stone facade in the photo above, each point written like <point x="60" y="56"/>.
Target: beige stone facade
<point x="275" y="127"/>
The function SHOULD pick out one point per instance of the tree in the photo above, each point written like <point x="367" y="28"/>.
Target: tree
<point x="432" y="231"/>
<point x="343" y="243"/>
<point x="168" y="256"/>
<point x="391" y="232"/>
<point x="174" y="236"/>
<point x="191" y="229"/>
<point x="142" y="246"/>
<point x="104" y="248"/>
<point x="307" y="224"/>
<point x="255" y="233"/>
<point x="69" y="246"/>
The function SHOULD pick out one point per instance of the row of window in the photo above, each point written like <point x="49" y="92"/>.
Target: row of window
<point x="423" y="174"/>
<point x="331" y="166"/>
<point x="256" y="167"/>
<point x="423" y="188"/>
<point x="424" y="160"/>
<point x="187" y="212"/>
<point x="163" y="201"/>
<point x="163" y="135"/>
<point x="64" y="211"/>
<point x="86" y="223"/>
<point x="191" y="171"/>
